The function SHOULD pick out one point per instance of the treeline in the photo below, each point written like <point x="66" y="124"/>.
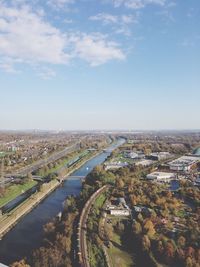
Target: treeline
<point x="59" y="240"/>
<point x="165" y="230"/>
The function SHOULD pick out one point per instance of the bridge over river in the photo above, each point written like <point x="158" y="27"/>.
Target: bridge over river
<point x="28" y="233"/>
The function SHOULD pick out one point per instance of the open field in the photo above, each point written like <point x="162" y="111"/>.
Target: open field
<point x="14" y="191"/>
<point x="118" y="255"/>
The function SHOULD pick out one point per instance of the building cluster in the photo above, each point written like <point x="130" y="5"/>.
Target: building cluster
<point x="181" y="166"/>
<point x="160" y="156"/>
<point x="134" y="155"/>
<point x="161" y="176"/>
<point x="115" y="165"/>
<point x="184" y="163"/>
<point x="118" y="207"/>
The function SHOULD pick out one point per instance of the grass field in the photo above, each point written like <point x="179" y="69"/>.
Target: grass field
<point x="100" y="201"/>
<point x="118" y="256"/>
<point x="3" y="154"/>
<point x="95" y="251"/>
<point x="15" y="190"/>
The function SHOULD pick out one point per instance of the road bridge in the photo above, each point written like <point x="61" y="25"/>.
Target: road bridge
<point x="76" y="177"/>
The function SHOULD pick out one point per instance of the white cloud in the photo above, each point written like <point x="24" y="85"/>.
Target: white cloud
<point x="25" y="35"/>
<point x="27" y="38"/>
<point x="113" y="19"/>
<point x="96" y="50"/>
<point x="105" y="18"/>
<point x="120" y="23"/>
<point x="137" y="4"/>
<point x="46" y="73"/>
<point x="7" y="67"/>
<point x="58" y="4"/>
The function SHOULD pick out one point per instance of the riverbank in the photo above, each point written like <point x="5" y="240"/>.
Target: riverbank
<point x="27" y="235"/>
<point x="9" y="220"/>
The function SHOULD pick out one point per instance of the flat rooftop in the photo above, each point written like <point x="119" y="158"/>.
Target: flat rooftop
<point x="162" y="174"/>
<point x="185" y="160"/>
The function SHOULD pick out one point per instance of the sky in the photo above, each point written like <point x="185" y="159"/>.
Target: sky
<point x="99" y="64"/>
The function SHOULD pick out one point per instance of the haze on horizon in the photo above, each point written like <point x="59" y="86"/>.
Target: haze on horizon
<point x="99" y="64"/>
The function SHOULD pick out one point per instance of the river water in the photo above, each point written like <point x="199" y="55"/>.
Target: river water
<point x="28" y="233"/>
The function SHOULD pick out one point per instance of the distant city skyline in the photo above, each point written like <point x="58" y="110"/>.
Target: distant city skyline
<point x="99" y="64"/>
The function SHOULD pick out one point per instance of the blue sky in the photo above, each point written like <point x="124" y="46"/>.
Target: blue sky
<point x="100" y="64"/>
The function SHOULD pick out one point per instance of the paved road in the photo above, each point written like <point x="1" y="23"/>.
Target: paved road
<point x="57" y="155"/>
<point x="83" y="253"/>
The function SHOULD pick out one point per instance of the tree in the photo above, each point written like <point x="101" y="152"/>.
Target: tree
<point x="181" y="241"/>
<point x="190" y="252"/>
<point x="146" y="243"/>
<point x="120" y="227"/>
<point x="149" y="228"/>
<point x="140" y="217"/>
<point x="169" y="252"/>
<point x="119" y="183"/>
<point x="29" y="176"/>
<point x="137" y="228"/>
<point x="189" y="262"/>
<point x="160" y="247"/>
<point x="133" y="200"/>
<point x="70" y="204"/>
<point x="21" y="263"/>
<point x="109" y="231"/>
<point x="49" y="228"/>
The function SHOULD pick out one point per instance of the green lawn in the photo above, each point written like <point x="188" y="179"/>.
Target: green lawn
<point x="118" y="256"/>
<point x="95" y="251"/>
<point x="3" y="153"/>
<point x="15" y="190"/>
<point x="100" y="201"/>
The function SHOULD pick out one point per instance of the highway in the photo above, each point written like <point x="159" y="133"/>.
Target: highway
<point x="82" y="229"/>
<point x="55" y="156"/>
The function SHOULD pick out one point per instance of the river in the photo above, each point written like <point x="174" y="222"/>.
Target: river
<point x="28" y="233"/>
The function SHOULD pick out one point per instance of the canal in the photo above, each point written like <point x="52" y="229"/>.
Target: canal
<point x="28" y="233"/>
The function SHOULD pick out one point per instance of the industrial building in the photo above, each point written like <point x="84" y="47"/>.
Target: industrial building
<point x="161" y="176"/>
<point x="115" y="165"/>
<point x="184" y="163"/>
<point x="159" y="156"/>
<point x="134" y="155"/>
<point x="145" y="162"/>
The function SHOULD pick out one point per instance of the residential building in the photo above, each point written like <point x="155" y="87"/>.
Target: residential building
<point x="118" y="207"/>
